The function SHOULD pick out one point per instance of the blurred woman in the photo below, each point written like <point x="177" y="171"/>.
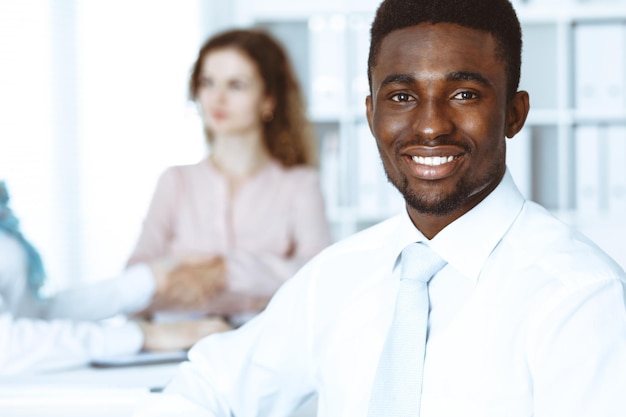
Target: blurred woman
<point x="255" y="202"/>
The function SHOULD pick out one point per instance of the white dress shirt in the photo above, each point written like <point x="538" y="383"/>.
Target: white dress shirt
<point x="528" y="319"/>
<point x="41" y="335"/>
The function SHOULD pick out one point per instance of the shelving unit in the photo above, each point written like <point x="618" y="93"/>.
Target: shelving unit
<point x="574" y="158"/>
<point x="330" y="52"/>
<point x="570" y="157"/>
<point x="555" y="71"/>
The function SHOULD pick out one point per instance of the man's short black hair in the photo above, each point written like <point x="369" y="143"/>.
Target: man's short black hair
<point x="494" y="16"/>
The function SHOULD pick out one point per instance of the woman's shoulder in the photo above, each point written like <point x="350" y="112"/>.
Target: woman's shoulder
<point x="187" y="172"/>
<point x="177" y="178"/>
<point x="186" y="169"/>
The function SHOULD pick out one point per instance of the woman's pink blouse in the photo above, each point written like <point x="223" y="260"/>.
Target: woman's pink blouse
<point x="274" y="224"/>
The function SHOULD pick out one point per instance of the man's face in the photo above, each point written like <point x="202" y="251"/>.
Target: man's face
<point x="438" y="112"/>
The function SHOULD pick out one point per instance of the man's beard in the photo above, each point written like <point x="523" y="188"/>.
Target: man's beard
<point x="443" y="204"/>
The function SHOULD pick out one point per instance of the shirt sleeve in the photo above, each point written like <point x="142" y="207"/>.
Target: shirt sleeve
<point x="128" y="293"/>
<point x="263" y="368"/>
<point x="31" y="345"/>
<point x="157" y="226"/>
<point x="36" y="345"/>
<point x="587" y="380"/>
<point x="260" y="275"/>
<point x="13" y="274"/>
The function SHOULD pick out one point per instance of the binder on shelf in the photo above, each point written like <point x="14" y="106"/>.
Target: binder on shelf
<point x="588" y="151"/>
<point x="600" y="66"/>
<point x="359" y="49"/>
<point x="540" y="76"/>
<point x="519" y="159"/>
<point x="616" y="161"/>
<point x="327" y="55"/>
<point x="330" y="170"/>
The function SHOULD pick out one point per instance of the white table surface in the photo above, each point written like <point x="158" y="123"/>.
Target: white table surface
<point x="90" y="392"/>
<point x="84" y="392"/>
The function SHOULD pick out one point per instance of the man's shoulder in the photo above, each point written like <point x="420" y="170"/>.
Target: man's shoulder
<point x="369" y="238"/>
<point x="559" y="249"/>
<point x="362" y="249"/>
<point x="352" y="262"/>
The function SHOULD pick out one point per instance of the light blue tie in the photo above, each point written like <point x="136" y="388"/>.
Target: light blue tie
<point x="397" y="388"/>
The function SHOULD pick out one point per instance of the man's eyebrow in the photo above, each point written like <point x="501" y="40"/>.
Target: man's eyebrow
<point x="453" y="76"/>
<point x="468" y="76"/>
<point x="398" y="78"/>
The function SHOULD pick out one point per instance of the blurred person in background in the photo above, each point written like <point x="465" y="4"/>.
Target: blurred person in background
<point x="38" y="333"/>
<point x="254" y="204"/>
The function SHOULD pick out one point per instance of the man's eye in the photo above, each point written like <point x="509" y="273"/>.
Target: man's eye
<point x="465" y="95"/>
<point x="401" y="97"/>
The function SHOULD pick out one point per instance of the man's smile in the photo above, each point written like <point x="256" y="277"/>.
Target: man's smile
<point x="432" y="160"/>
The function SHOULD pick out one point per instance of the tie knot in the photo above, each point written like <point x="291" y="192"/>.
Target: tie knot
<point x="419" y="262"/>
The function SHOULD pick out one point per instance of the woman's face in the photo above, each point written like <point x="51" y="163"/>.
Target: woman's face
<point x="231" y="93"/>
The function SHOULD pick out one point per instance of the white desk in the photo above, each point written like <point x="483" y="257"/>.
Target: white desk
<point x="90" y="392"/>
<point x="110" y="392"/>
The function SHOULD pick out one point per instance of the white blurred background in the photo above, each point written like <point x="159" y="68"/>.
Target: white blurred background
<point x="93" y="107"/>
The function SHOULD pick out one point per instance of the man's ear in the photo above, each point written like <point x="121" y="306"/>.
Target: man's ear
<point x="368" y="112"/>
<point x="516" y="113"/>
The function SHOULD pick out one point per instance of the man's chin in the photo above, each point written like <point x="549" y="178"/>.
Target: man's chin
<point x="433" y="205"/>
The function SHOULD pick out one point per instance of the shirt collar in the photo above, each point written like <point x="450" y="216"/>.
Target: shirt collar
<point x="467" y="242"/>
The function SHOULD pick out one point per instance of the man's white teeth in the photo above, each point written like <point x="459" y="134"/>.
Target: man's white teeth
<point x="432" y="160"/>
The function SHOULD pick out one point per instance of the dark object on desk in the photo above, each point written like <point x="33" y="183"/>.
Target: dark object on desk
<point x="141" y="358"/>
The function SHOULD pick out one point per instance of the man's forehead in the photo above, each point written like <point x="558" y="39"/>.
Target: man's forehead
<point x="436" y="44"/>
<point x="439" y="40"/>
<point x="444" y="52"/>
<point x="433" y="32"/>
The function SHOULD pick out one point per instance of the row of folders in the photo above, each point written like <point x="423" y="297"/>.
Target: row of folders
<point x="353" y="177"/>
<point x="600" y="66"/>
<point x="596" y="170"/>
<point x="600" y="169"/>
<point x="338" y="50"/>
<point x="339" y="46"/>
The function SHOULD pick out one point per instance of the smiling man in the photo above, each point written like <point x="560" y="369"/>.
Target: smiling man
<point x="440" y="109"/>
<point x="519" y="316"/>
